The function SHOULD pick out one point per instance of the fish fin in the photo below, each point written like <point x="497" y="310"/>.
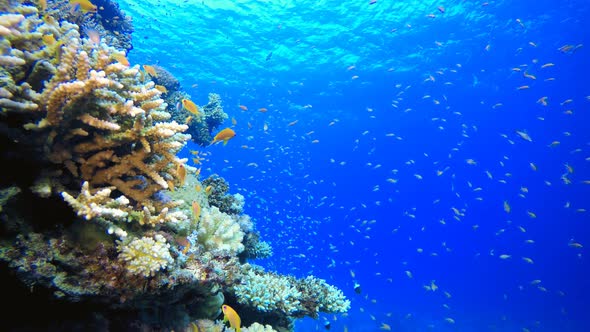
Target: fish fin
<point x="225" y="142"/>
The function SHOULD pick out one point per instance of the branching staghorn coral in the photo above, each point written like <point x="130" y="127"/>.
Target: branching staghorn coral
<point x="94" y="119"/>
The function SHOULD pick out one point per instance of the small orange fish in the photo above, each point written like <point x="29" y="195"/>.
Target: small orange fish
<point x="196" y="210"/>
<point x="523" y="87"/>
<point x="292" y="123"/>
<point x="234" y="121"/>
<point x="181" y="174"/>
<point x="190" y="106"/>
<point x="48" y="40"/>
<point x="225" y="135"/>
<point x="188" y="120"/>
<point x="161" y="88"/>
<point x="231" y="316"/>
<point x="85" y="5"/>
<point x="186" y="249"/>
<point x="120" y="58"/>
<point x="150" y="70"/>
<point x="243" y="108"/>
<point x="263" y="110"/>
<point x="170" y="185"/>
<point x="208" y="190"/>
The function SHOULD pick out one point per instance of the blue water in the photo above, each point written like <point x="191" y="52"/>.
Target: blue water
<point x="390" y="92"/>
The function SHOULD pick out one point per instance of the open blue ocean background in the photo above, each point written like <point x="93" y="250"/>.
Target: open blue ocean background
<point x="395" y="149"/>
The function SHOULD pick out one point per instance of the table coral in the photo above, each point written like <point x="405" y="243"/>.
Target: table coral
<point x="288" y="296"/>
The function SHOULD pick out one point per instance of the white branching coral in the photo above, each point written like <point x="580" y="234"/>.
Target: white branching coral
<point x="218" y="232"/>
<point x="256" y="327"/>
<point x="146" y="256"/>
<point x="100" y="204"/>
<point x="329" y="298"/>
<point x="268" y="292"/>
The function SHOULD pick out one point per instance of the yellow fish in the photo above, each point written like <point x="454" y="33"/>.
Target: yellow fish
<point x="120" y="58"/>
<point x="85" y="5"/>
<point x="150" y="70"/>
<point x="231" y="316"/>
<point x="181" y="174"/>
<point x="48" y="40"/>
<point x="196" y="210"/>
<point x="225" y="135"/>
<point x="161" y="88"/>
<point x="190" y="106"/>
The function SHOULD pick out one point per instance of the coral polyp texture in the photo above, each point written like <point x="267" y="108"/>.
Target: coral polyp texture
<point x="147" y="255"/>
<point x="270" y="292"/>
<point x="117" y="225"/>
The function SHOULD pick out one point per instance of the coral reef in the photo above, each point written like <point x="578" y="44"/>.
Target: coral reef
<point x="230" y="204"/>
<point x="118" y="227"/>
<point x="89" y="117"/>
<point x="201" y="127"/>
<point x="166" y="79"/>
<point x="112" y="24"/>
<point x="254" y="248"/>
